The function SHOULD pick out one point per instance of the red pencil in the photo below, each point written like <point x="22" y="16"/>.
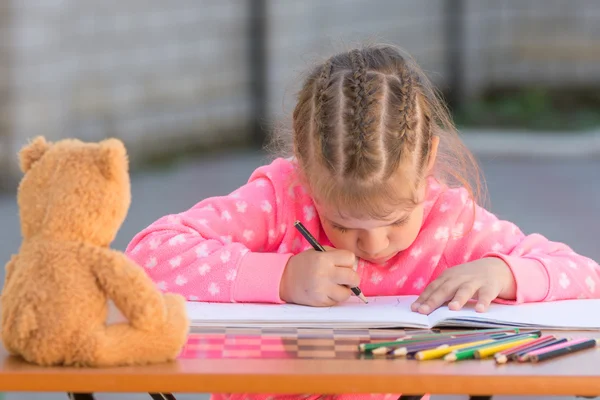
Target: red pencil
<point x="523" y="356"/>
<point x="503" y="356"/>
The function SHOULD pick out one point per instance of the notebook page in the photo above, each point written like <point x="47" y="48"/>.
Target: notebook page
<point x="381" y="312"/>
<point x="563" y="314"/>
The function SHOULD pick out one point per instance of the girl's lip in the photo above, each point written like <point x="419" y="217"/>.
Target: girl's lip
<point x="382" y="260"/>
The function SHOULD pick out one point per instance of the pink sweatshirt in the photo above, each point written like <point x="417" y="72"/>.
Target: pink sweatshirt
<point x="234" y="248"/>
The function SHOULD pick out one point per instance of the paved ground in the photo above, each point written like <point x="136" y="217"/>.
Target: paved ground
<point x="559" y="198"/>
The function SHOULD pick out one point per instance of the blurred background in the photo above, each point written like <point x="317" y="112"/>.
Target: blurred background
<point x="195" y="87"/>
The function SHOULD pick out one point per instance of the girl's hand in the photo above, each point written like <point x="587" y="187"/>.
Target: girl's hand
<point x="485" y="279"/>
<point x="319" y="279"/>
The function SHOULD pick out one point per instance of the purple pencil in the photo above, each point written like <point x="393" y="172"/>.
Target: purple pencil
<point x="411" y="349"/>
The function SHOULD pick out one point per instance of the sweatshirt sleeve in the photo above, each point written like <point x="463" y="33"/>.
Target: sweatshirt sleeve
<point x="223" y="249"/>
<point x="543" y="270"/>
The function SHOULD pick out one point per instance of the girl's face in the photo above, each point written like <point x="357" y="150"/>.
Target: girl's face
<point x="379" y="240"/>
<point x="373" y="240"/>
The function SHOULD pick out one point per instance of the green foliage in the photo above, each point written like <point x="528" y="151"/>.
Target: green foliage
<point x="540" y="109"/>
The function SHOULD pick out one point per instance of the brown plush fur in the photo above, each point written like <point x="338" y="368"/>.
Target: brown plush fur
<point x="73" y="198"/>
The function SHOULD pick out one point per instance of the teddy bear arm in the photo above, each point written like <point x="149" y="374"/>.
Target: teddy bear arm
<point x="131" y="290"/>
<point x="9" y="268"/>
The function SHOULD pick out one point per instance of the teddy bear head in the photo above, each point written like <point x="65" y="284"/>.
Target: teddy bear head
<point x="73" y="190"/>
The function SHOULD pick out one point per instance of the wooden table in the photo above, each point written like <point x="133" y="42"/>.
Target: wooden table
<point x="577" y="374"/>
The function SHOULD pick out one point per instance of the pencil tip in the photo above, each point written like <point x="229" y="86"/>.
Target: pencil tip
<point x="363" y="298"/>
<point x="402" y="351"/>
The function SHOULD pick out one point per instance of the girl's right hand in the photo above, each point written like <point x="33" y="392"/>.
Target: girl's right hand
<point x="319" y="279"/>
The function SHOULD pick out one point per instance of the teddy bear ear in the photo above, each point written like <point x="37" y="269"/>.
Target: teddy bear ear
<point x="112" y="158"/>
<point x="32" y="152"/>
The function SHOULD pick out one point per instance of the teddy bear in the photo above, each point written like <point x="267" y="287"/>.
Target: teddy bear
<point x="73" y="198"/>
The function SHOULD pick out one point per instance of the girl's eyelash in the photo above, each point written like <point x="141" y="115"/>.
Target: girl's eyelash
<point x="400" y="222"/>
<point x="339" y="228"/>
<point x="397" y="223"/>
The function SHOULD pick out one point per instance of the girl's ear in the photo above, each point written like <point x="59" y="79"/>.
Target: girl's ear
<point x="435" y="141"/>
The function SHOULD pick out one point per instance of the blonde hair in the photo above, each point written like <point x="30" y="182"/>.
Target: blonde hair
<point x="359" y="117"/>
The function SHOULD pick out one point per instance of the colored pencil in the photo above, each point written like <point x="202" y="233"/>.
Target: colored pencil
<point x="435" y="336"/>
<point x="472" y="332"/>
<point x="313" y="242"/>
<point x="469" y="352"/>
<point x="491" y="350"/>
<point x="441" y="352"/>
<point x="504" y="356"/>
<point x="369" y="347"/>
<point x="523" y="356"/>
<point x="414" y="348"/>
<point x="426" y="344"/>
<point x="571" y="346"/>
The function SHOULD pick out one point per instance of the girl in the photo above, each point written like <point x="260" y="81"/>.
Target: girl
<point x="379" y="175"/>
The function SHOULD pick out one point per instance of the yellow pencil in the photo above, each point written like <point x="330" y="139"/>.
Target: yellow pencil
<point x="491" y="350"/>
<point x="441" y="352"/>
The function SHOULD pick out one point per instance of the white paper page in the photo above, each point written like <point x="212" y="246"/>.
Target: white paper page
<point x="381" y="312"/>
<point x="564" y="314"/>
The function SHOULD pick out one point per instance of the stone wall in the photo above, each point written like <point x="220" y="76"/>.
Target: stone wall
<point x="164" y="76"/>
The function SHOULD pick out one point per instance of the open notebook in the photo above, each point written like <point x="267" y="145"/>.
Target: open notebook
<point x="394" y="311"/>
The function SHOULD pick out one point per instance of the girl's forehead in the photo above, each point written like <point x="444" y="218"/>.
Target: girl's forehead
<point x="351" y="217"/>
<point x="363" y="201"/>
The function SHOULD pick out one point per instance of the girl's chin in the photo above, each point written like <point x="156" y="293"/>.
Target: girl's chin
<point x="382" y="260"/>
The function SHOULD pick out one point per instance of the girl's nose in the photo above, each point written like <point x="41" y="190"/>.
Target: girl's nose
<point x="373" y="243"/>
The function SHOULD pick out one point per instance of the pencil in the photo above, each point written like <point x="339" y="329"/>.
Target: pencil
<point x="313" y="242"/>
<point x="427" y="337"/>
<point x="491" y="350"/>
<point x="369" y="347"/>
<point x="469" y="352"/>
<point x="569" y="347"/>
<point x="510" y="354"/>
<point x="413" y="349"/>
<point x="442" y="351"/>
<point x="523" y="356"/>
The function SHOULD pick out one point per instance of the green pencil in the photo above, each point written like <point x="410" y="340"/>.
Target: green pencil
<point x="394" y="343"/>
<point x="367" y="347"/>
<point x="469" y="352"/>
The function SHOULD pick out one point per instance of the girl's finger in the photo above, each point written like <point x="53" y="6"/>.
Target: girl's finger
<point x="325" y="302"/>
<point x="485" y="296"/>
<point x="439" y="296"/>
<point x="339" y="293"/>
<point x="465" y="292"/>
<point x="432" y="287"/>
<point x="345" y="276"/>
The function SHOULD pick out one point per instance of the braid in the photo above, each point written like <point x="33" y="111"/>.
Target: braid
<point x="322" y="131"/>
<point x="408" y="118"/>
<point x="362" y="117"/>
<point x="401" y="135"/>
<point x="322" y="83"/>
<point x="358" y="82"/>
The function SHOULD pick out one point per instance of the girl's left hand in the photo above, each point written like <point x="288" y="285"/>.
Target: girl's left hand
<point x="485" y="279"/>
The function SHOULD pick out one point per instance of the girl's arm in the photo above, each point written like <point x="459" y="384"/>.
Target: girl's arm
<point x="543" y="270"/>
<point x="224" y="249"/>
